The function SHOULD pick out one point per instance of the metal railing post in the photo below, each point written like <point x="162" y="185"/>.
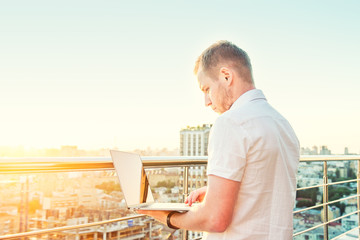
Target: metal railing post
<point x="186" y="182"/>
<point x="185" y="194"/>
<point x="358" y="192"/>
<point x="325" y="201"/>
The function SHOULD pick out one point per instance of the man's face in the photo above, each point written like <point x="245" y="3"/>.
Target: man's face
<point x="215" y="92"/>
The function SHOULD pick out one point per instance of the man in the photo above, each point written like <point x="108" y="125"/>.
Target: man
<point x="253" y="157"/>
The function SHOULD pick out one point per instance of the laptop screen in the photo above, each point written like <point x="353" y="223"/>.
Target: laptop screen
<point x="132" y="177"/>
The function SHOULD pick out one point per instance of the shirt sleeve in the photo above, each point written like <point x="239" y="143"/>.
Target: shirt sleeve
<point x="228" y="147"/>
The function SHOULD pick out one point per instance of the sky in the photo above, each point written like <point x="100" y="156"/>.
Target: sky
<point x="104" y="74"/>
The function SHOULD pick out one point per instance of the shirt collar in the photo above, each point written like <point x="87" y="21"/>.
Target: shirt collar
<point x="248" y="96"/>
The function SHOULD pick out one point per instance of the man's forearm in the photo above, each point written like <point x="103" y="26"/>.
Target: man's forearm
<point x="194" y="220"/>
<point x="197" y="219"/>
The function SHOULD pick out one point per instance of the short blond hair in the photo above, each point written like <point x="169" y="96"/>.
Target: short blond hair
<point x="224" y="52"/>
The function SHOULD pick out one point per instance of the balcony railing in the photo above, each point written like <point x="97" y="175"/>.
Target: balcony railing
<point x="48" y="165"/>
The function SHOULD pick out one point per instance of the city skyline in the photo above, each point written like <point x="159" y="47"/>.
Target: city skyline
<point x="115" y="74"/>
<point x="74" y="151"/>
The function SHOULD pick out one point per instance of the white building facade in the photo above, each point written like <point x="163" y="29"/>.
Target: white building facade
<point x="194" y="140"/>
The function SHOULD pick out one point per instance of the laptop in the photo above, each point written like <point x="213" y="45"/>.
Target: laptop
<point x="135" y="186"/>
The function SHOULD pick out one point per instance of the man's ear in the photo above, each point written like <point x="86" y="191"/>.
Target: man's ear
<point x="226" y="75"/>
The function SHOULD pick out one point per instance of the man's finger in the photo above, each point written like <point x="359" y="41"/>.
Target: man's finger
<point x="188" y="198"/>
<point x="141" y="211"/>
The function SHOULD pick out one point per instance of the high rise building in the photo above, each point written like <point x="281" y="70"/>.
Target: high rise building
<point x="325" y="151"/>
<point x="194" y="140"/>
<point x="315" y="150"/>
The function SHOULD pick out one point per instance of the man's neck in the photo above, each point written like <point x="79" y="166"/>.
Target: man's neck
<point x="241" y="89"/>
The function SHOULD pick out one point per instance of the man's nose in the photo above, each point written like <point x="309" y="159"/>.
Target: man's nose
<point x="207" y="100"/>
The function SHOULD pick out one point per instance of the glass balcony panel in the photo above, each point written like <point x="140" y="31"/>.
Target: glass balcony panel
<point x="166" y="183"/>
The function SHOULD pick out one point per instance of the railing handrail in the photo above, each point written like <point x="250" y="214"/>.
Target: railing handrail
<point x="19" y="165"/>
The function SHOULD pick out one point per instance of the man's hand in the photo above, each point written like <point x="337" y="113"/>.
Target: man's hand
<point x="196" y="196"/>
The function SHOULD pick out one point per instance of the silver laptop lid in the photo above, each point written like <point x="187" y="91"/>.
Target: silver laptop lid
<point x="132" y="177"/>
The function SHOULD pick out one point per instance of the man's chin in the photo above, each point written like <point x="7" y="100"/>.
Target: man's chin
<point x="217" y="110"/>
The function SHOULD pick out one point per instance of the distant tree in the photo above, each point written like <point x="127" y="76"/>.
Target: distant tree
<point x="167" y="184"/>
<point x="337" y="173"/>
<point x="342" y="207"/>
<point x="351" y="173"/>
<point x="308" y="193"/>
<point x="336" y="193"/>
<point x="108" y="187"/>
<point x="304" y="203"/>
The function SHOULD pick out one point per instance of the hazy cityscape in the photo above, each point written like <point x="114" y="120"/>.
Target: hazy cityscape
<point x="48" y="200"/>
<point x="74" y="151"/>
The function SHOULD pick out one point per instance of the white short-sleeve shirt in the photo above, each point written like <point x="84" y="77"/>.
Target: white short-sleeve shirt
<point x="253" y="144"/>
